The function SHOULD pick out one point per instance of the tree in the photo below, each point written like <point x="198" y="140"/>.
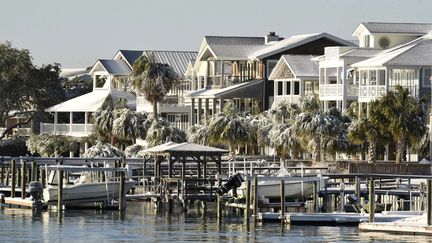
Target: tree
<point x="26" y="90"/>
<point x="197" y="134"/>
<point x="161" y="131"/>
<point x="404" y="119"/>
<point x="154" y="80"/>
<point x="103" y="150"/>
<point x="368" y="130"/>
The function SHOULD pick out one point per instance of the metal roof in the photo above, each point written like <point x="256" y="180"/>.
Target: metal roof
<point x="234" y="40"/>
<point x="294" y="41"/>
<point x="302" y="65"/>
<point x="178" y="60"/>
<point x="90" y="102"/>
<point x="115" y="67"/>
<point x="401" y="28"/>
<point x="250" y="89"/>
<point x="131" y="55"/>
<point x="172" y="147"/>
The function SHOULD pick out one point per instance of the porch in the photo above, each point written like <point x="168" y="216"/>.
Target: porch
<point x="77" y="124"/>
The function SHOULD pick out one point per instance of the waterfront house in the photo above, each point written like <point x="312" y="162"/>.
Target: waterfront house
<point x="238" y="69"/>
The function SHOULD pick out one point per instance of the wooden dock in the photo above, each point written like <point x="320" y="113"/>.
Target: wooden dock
<point x="400" y="227"/>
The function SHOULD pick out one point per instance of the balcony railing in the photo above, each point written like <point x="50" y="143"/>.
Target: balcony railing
<point x="327" y="90"/>
<point x="227" y="80"/>
<point x="369" y="92"/>
<point x="66" y="129"/>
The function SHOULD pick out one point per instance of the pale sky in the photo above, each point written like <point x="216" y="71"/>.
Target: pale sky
<point x="76" y="33"/>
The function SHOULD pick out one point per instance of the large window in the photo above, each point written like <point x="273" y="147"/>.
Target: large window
<point x="288" y="87"/>
<point x="280" y="88"/>
<point x="296" y="88"/>
<point x="331" y="75"/>
<point x="308" y="88"/>
<point x="404" y="77"/>
<point x="427" y="77"/>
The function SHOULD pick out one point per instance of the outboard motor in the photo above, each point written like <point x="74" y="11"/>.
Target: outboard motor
<point x="233" y="182"/>
<point x="36" y="190"/>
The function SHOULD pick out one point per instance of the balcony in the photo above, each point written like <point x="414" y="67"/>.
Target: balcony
<point x="77" y="130"/>
<point x="336" y="92"/>
<point x="371" y="92"/>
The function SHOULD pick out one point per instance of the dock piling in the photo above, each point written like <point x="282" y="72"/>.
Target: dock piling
<point x="429" y="201"/>
<point x="255" y="198"/>
<point x="371" y="200"/>
<point x="122" y="197"/>
<point x="282" y="196"/>
<point x="23" y="179"/>
<point x="218" y="199"/>
<point x="13" y="175"/>
<point x="248" y="199"/>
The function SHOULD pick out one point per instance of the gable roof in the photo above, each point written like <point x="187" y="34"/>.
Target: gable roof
<point x="302" y="65"/>
<point x="131" y="55"/>
<point x="178" y="60"/>
<point x="397" y="28"/>
<point x="231" y="47"/>
<point x="114" y="67"/>
<point x="415" y="53"/>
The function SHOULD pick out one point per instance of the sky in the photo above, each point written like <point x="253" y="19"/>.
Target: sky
<point x="76" y="33"/>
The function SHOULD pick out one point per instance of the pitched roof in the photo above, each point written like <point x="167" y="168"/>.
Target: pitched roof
<point x="249" y="89"/>
<point x="184" y="147"/>
<point x="115" y="67"/>
<point x="294" y="41"/>
<point x="414" y="53"/>
<point x="302" y="65"/>
<point x="233" y="47"/>
<point x="178" y="60"/>
<point x="400" y="28"/>
<point x="90" y="102"/>
<point x="131" y="55"/>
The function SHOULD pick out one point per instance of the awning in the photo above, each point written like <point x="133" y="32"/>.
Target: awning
<point x="250" y="89"/>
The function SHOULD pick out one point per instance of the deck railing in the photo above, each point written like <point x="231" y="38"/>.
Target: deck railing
<point x="66" y="129"/>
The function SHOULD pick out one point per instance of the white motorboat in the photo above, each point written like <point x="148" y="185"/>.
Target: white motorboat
<point x="84" y="189"/>
<point x="297" y="188"/>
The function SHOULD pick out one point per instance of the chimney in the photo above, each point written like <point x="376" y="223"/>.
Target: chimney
<point x="271" y="37"/>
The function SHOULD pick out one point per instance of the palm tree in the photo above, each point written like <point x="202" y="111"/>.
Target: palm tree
<point x="103" y="150"/>
<point x="198" y="134"/>
<point x="154" y="80"/>
<point x="404" y="119"/>
<point x="129" y="125"/>
<point x="161" y="131"/>
<point x="368" y="129"/>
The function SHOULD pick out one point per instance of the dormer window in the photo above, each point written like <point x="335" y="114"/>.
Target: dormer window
<point x="384" y="42"/>
<point x="366" y="41"/>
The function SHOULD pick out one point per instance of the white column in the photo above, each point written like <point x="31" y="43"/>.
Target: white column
<point x="192" y="117"/>
<point x="85" y="121"/>
<point x="70" y="121"/>
<point x="55" y="122"/>
<point x="199" y="111"/>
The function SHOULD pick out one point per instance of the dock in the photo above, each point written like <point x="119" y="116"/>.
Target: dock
<point x="414" y="226"/>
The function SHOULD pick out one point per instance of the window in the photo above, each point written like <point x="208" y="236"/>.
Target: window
<point x="384" y="42"/>
<point x="427" y="77"/>
<point x="270" y="65"/>
<point x="296" y="88"/>
<point x="357" y="77"/>
<point x="100" y="81"/>
<point x="381" y="77"/>
<point x="404" y="77"/>
<point x="280" y="88"/>
<point x="308" y="88"/>
<point x="373" y="77"/>
<point x="366" y="41"/>
<point x="364" y="77"/>
<point x="331" y="76"/>
<point x="288" y="87"/>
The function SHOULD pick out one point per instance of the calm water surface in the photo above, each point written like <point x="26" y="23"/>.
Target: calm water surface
<point x="143" y="223"/>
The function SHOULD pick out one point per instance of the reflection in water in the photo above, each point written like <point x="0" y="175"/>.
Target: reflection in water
<point x="142" y="221"/>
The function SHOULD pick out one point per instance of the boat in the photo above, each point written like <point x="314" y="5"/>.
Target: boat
<point x="84" y="189"/>
<point x="297" y="188"/>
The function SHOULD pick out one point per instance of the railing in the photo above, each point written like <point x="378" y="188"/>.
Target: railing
<point x="330" y="90"/>
<point x="292" y="99"/>
<point x="228" y="80"/>
<point x="390" y="168"/>
<point x="372" y="91"/>
<point x="66" y="129"/>
<point x="181" y="125"/>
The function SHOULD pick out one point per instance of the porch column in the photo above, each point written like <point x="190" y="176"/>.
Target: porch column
<point x="192" y="118"/>
<point x="55" y="122"/>
<point x="222" y="74"/>
<point x="85" y="121"/>
<point x="199" y="111"/>
<point x="207" y="110"/>
<point x="214" y="106"/>
<point x="344" y="105"/>
<point x="70" y="121"/>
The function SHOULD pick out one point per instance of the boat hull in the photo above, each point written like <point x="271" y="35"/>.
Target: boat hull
<point x="86" y="192"/>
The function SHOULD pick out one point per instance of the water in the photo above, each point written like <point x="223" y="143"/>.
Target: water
<point x="143" y="223"/>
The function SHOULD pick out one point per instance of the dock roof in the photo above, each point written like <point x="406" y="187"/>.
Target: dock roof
<point x="184" y="148"/>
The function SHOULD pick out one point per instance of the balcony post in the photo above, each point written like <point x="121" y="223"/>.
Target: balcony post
<point x="70" y="121"/>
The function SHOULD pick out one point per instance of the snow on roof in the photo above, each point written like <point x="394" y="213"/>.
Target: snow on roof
<point x="302" y="65"/>
<point x="400" y="28"/>
<point x="115" y="67"/>
<point x="294" y="41"/>
<point x="90" y="102"/>
<point x="183" y="147"/>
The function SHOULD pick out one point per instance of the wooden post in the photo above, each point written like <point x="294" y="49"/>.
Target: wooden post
<point x="2" y="172"/>
<point x="199" y="169"/>
<point x="43" y="177"/>
<point x="122" y="198"/>
<point x="282" y="195"/>
<point x="255" y="198"/>
<point x="169" y="166"/>
<point x="371" y="200"/>
<point x="219" y="201"/>
<point x="316" y="196"/>
<point x="34" y="170"/>
<point x="13" y="175"/>
<point x="429" y="201"/>
<point x="184" y="167"/>
<point x="342" y="197"/>
<point x="357" y="188"/>
<point x="248" y="200"/>
<point x="60" y="192"/>
<point x="23" y="178"/>
<point x="205" y="167"/>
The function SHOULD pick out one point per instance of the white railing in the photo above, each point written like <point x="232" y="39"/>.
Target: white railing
<point x="292" y="99"/>
<point x="330" y="90"/>
<point x="370" y="92"/>
<point x="66" y="129"/>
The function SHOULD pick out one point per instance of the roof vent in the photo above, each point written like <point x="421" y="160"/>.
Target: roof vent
<point x="271" y="37"/>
